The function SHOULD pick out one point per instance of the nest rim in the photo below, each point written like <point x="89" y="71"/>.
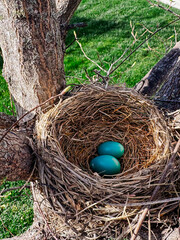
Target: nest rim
<point x="95" y="192"/>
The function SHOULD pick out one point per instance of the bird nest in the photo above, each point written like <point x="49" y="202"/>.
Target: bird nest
<point x="67" y="138"/>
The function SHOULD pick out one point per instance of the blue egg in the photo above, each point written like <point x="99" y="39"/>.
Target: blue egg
<point x="114" y="149"/>
<point x="105" y="165"/>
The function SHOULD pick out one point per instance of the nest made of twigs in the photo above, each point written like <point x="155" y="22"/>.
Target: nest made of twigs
<point x="68" y="136"/>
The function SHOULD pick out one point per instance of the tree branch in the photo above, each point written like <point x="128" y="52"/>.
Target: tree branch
<point x="14" y="188"/>
<point x="66" y="8"/>
<point x="16" y="159"/>
<point x="162" y="82"/>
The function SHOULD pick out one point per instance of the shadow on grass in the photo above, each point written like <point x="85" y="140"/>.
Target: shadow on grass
<point x="94" y="27"/>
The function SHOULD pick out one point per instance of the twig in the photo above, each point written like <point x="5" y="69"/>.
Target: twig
<point x="164" y="100"/>
<point x="132" y="32"/>
<point x="100" y="60"/>
<point x="104" y="78"/>
<point x="138" y="204"/>
<point x="6" y="227"/>
<point x="158" y="30"/>
<point x="147" y="30"/>
<point x="71" y="44"/>
<point x="108" y="73"/>
<point x="88" y="77"/>
<point x="14" y="188"/>
<point x="164" y="8"/>
<point x="175" y="35"/>
<point x="86" y="55"/>
<point x="93" y="204"/>
<point x="149" y="226"/>
<point x="167" y="168"/>
<point x="110" y="70"/>
<point x="40" y="105"/>
<point x="156" y="190"/>
<point x="155" y="238"/>
<point x="139" y="224"/>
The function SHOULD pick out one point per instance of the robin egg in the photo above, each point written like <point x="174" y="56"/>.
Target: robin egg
<point x="114" y="149"/>
<point x="105" y="165"/>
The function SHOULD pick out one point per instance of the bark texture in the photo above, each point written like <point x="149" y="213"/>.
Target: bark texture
<point x="32" y="42"/>
<point x="33" y="51"/>
<point x="16" y="158"/>
<point x="66" y="9"/>
<point x="6" y="121"/>
<point x="162" y="83"/>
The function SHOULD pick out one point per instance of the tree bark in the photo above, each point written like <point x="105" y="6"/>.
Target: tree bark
<point x="33" y="46"/>
<point x="66" y="9"/>
<point x="16" y="158"/>
<point x="162" y="83"/>
<point x="33" y="51"/>
<point x="6" y="121"/>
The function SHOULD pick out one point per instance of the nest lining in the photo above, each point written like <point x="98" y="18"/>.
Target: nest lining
<point x="68" y="136"/>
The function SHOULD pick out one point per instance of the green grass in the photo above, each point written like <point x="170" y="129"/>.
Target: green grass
<point x="5" y="102"/>
<point x="106" y="37"/>
<point x="16" y="210"/>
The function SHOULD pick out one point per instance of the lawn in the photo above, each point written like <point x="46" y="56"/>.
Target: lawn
<point x="109" y="32"/>
<point x="16" y="213"/>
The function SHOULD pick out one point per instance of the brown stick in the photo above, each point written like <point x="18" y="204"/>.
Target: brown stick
<point x="11" y="189"/>
<point x="167" y="168"/>
<point x="40" y="105"/>
<point x="149" y="37"/>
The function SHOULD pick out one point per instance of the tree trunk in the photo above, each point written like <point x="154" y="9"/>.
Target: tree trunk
<point x="32" y="44"/>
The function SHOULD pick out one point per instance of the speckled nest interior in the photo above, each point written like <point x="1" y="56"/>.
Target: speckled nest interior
<point x="68" y="136"/>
